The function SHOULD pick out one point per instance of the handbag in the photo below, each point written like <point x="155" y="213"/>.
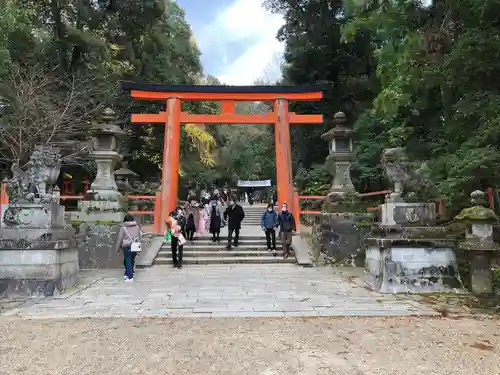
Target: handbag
<point x="136" y="245"/>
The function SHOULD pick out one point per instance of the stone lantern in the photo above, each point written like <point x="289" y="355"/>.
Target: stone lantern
<point x="107" y="136"/>
<point x="342" y="154"/>
<point x="478" y="244"/>
<point x="103" y="202"/>
<point x="123" y="177"/>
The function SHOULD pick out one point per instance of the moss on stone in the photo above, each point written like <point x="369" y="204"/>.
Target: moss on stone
<point x="477" y="213"/>
<point x="364" y="224"/>
<point x="450" y="231"/>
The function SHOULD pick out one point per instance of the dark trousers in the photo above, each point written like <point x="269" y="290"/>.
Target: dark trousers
<point x="271" y="238"/>
<point x="286" y="239"/>
<point x="190" y="234"/>
<point x="176" y="251"/>
<point x="215" y="236"/>
<point x="230" y="237"/>
<point x="128" y="261"/>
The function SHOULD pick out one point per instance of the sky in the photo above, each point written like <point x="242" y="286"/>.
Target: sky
<point x="237" y="39"/>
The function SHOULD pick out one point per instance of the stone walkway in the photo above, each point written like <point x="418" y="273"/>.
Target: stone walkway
<point x="219" y="291"/>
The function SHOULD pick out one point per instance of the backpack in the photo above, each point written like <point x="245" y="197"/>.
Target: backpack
<point x="136" y="245"/>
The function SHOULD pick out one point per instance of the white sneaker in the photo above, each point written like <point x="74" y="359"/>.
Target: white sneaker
<point x="129" y="280"/>
<point x="125" y="278"/>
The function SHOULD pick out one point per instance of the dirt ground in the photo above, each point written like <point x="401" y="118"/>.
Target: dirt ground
<point x="303" y="346"/>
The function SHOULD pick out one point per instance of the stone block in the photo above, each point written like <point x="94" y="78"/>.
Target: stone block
<point x="37" y="272"/>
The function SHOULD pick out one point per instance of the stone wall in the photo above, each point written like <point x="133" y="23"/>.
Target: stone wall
<point x="96" y="245"/>
<point x="338" y="238"/>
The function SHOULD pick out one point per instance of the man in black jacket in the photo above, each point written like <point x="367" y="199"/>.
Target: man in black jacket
<point x="234" y="214"/>
<point x="286" y="222"/>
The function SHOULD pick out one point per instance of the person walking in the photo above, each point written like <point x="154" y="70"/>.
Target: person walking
<point x="176" y="224"/>
<point x="234" y="215"/>
<point x="215" y="212"/>
<point x="269" y="223"/>
<point x="193" y="218"/>
<point x="129" y="233"/>
<point x="286" y="222"/>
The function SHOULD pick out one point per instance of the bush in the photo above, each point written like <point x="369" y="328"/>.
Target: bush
<point x="314" y="181"/>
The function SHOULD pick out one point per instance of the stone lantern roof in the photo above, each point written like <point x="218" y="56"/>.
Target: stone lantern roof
<point x="108" y="125"/>
<point x="339" y="130"/>
<point x="125" y="172"/>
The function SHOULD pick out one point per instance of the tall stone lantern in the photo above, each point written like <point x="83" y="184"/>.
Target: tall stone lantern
<point x="341" y="154"/>
<point x="107" y="137"/>
<point x="103" y="201"/>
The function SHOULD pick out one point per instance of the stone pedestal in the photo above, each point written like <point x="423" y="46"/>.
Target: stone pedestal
<point x="410" y="255"/>
<point x="37" y="252"/>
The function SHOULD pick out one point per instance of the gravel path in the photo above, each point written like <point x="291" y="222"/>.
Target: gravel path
<point x="268" y="346"/>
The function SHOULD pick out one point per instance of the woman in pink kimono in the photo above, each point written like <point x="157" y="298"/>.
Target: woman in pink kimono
<point x="201" y="226"/>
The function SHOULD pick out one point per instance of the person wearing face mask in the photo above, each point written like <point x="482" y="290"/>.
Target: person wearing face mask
<point x="286" y="223"/>
<point x="269" y="223"/>
<point x="234" y="214"/>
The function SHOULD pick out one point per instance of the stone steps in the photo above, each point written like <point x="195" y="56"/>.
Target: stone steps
<point x="269" y="259"/>
<point x="251" y="249"/>
<point x="234" y="252"/>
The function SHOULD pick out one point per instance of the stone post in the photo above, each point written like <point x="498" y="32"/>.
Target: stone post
<point x="478" y="243"/>
<point x="341" y="153"/>
<point x="37" y="251"/>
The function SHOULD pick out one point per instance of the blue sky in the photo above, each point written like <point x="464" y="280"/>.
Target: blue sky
<point x="237" y="39"/>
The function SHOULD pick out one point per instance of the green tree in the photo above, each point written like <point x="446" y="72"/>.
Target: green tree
<point x="437" y="66"/>
<point x="315" y="54"/>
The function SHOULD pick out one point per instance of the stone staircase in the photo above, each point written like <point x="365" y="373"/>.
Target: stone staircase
<point x="253" y="214"/>
<point x="252" y="246"/>
<point x="251" y="249"/>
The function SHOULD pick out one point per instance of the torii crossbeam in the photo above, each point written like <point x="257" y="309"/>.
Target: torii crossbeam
<point x="173" y="117"/>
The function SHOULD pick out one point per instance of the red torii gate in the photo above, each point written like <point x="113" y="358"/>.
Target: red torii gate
<point x="173" y="117"/>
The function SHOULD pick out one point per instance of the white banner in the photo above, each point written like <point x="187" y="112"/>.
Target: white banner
<point x="263" y="183"/>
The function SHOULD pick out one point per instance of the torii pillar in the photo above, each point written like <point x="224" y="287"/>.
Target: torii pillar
<point x="283" y="153"/>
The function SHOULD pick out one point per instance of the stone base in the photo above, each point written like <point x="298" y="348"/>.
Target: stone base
<point x="36" y="273"/>
<point x="481" y="273"/>
<point x="96" y="245"/>
<point x="339" y="237"/>
<point x="412" y="270"/>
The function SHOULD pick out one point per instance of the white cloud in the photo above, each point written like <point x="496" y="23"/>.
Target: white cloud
<point x="245" y="21"/>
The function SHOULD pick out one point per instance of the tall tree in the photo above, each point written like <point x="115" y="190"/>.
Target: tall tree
<point x="315" y="54"/>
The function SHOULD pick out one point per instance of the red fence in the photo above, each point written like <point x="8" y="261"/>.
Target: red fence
<point x="441" y="208"/>
<point x="4" y="199"/>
